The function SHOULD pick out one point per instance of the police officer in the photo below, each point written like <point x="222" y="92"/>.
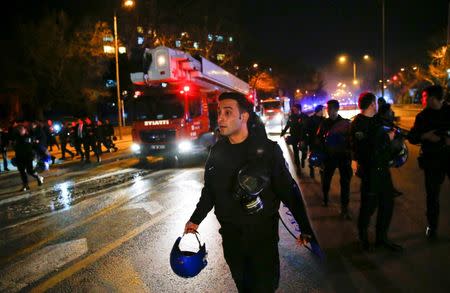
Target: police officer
<point x="334" y="136"/>
<point x="296" y="124"/>
<point x="23" y="148"/>
<point x="4" y="143"/>
<point x="250" y="241"/>
<point x="371" y="146"/>
<point x="90" y="140"/>
<point x="312" y="125"/>
<point x="79" y="137"/>
<point x="64" y="135"/>
<point x="432" y="130"/>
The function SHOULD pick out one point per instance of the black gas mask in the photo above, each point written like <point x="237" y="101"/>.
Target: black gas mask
<point x="251" y="180"/>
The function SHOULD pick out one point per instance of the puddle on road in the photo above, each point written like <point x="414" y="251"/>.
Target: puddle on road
<point x="64" y="195"/>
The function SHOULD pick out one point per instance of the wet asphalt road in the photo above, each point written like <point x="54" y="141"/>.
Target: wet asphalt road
<point x="110" y="227"/>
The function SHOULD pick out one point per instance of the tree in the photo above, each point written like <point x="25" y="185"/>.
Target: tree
<point x="56" y="65"/>
<point x="264" y="82"/>
<point x="439" y="64"/>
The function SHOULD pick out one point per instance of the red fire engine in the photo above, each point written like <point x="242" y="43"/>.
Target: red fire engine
<point x="177" y="106"/>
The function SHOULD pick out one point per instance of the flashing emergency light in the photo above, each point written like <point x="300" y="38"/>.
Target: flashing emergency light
<point x="137" y="94"/>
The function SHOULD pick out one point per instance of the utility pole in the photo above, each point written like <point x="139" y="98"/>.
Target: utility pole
<point x="119" y="102"/>
<point x="383" y="48"/>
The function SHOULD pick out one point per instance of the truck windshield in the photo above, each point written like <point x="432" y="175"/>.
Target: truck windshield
<point x="271" y="105"/>
<point x="159" y="107"/>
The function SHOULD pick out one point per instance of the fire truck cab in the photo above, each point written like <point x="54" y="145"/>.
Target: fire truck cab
<point x="272" y="113"/>
<point x="177" y="106"/>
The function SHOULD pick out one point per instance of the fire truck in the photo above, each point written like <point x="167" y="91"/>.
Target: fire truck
<point x="272" y="112"/>
<point x="176" y="104"/>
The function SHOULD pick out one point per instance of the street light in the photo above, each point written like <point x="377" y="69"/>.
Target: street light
<point x="343" y="59"/>
<point x="128" y="4"/>
<point x="255" y="65"/>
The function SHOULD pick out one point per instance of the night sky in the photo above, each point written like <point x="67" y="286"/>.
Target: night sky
<point x="312" y="31"/>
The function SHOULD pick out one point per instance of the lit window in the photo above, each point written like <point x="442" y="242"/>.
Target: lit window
<point x="140" y="29"/>
<point x="108" y="49"/>
<point x="210" y="37"/>
<point x="140" y="40"/>
<point x="195" y="45"/>
<point x="230" y="39"/>
<point x="122" y="50"/>
<point x="108" y="39"/>
<point x="219" y="38"/>
<point x="178" y="43"/>
<point x="220" y="57"/>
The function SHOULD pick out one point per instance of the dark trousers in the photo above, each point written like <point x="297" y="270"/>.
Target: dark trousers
<point x="344" y="164"/>
<point x="78" y="147"/>
<point x="296" y="153"/>
<point x="380" y="199"/>
<point x="4" y="151"/>
<point x="64" y="149"/>
<point x="251" y="252"/>
<point x="26" y="166"/>
<point x="434" y="177"/>
<point x="89" y="144"/>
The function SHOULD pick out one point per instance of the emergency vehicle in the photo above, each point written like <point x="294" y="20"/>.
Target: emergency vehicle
<point x="176" y="103"/>
<point x="272" y="112"/>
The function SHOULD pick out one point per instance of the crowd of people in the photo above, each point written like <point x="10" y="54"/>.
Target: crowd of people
<point x="34" y="140"/>
<point x="372" y="140"/>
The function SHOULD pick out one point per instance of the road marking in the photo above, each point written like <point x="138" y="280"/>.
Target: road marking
<point x="40" y="263"/>
<point x="54" y="280"/>
<point x="151" y="207"/>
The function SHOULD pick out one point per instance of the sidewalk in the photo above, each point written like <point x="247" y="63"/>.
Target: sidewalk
<point x="123" y="146"/>
<point x="421" y="267"/>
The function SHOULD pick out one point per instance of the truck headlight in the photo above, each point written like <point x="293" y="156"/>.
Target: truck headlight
<point x="264" y="118"/>
<point x="278" y="117"/>
<point x="135" y="148"/>
<point x="184" y="146"/>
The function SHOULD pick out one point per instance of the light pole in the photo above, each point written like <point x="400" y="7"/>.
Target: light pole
<point x="343" y="59"/>
<point x="128" y="4"/>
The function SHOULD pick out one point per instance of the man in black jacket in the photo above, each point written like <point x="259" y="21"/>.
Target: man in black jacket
<point x="296" y="124"/>
<point x="432" y="130"/>
<point x="334" y="137"/>
<point x="23" y="147"/>
<point x="372" y="150"/>
<point x="311" y="132"/>
<point x="250" y="240"/>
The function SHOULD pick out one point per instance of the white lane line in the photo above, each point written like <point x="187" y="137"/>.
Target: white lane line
<point x="40" y="263"/>
<point x="151" y="207"/>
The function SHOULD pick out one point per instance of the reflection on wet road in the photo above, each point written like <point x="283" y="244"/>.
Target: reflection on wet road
<point x="63" y="195"/>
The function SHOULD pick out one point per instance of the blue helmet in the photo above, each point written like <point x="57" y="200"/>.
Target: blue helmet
<point x="400" y="156"/>
<point x="188" y="264"/>
<point x="316" y="158"/>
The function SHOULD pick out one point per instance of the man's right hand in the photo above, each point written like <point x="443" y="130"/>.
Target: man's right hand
<point x="190" y="228"/>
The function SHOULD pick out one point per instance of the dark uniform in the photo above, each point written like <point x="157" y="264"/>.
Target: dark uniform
<point x="90" y="141"/>
<point x="336" y="146"/>
<point x="434" y="158"/>
<point x="79" y="135"/>
<point x="312" y="126"/>
<point x="296" y="124"/>
<point x="64" y="136"/>
<point x="4" y="143"/>
<point x="23" y="148"/>
<point x="372" y="151"/>
<point x="250" y="242"/>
